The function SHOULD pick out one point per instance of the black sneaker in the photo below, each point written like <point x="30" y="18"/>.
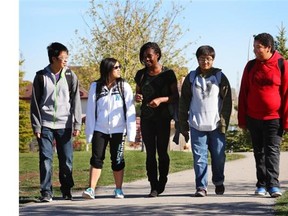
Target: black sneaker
<point x="219" y="189"/>
<point x="153" y="193"/>
<point x="46" y="197"/>
<point x="161" y="187"/>
<point x="67" y="195"/>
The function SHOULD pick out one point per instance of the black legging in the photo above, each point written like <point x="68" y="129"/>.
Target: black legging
<point x="155" y="135"/>
<point x="99" y="144"/>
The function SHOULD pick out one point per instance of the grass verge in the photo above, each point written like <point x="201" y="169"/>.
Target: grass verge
<point x="134" y="170"/>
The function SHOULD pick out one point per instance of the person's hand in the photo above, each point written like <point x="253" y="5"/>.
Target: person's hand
<point x="186" y="135"/>
<point x="38" y="135"/>
<point x="154" y="103"/>
<point x="138" y="98"/>
<point x="76" y="133"/>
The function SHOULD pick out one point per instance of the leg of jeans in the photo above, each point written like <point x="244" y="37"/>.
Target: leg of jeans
<point x="148" y="130"/>
<point x="163" y="135"/>
<point x="216" y="147"/>
<point x="200" y="157"/>
<point x="255" y="128"/>
<point x="65" y="156"/>
<point x="46" y="160"/>
<point x="272" y="139"/>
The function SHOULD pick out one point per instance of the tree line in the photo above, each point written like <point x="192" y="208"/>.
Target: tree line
<point x="117" y="28"/>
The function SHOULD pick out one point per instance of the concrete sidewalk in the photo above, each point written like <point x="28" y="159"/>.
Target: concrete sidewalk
<point x="178" y="198"/>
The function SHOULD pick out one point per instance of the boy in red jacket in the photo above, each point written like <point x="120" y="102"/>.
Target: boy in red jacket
<point x="263" y="110"/>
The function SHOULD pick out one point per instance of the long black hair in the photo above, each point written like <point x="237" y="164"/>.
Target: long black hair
<point x="106" y="67"/>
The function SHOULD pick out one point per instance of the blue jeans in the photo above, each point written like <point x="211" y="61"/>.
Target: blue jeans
<point x="201" y="142"/>
<point x="65" y="156"/>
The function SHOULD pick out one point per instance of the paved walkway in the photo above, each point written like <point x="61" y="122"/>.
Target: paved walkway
<point x="178" y="197"/>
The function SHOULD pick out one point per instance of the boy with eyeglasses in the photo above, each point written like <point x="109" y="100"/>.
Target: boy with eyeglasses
<point x="204" y="108"/>
<point x="56" y="116"/>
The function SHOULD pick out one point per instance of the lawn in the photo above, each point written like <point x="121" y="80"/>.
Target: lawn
<point x="134" y="170"/>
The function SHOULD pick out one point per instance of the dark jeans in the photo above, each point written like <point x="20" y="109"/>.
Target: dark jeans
<point x="266" y="138"/>
<point x="155" y="135"/>
<point x="99" y="144"/>
<point x="65" y="156"/>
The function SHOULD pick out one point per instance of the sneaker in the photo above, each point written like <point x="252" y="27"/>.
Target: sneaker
<point x="46" y="197"/>
<point x="118" y="193"/>
<point x="88" y="193"/>
<point x="274" y="192"/>
<point x="161" y="187"/>
<point x="201" y="192"/>
<point x="260" y="191"/>
<point x="219" y="189"/>
<point x="67" y="195"/>
<point x="153" y="193"/>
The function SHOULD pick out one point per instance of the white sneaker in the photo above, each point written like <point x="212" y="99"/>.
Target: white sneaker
<point x="88" y="193"/>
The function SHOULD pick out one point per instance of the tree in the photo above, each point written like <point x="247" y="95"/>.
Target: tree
<point x="281" y="42"/>
<point x="25" y="130"/>
<point x="119" y="28"/>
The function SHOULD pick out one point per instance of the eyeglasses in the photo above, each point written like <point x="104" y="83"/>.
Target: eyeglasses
<point x="201" y="59"/>
<point x="63" y="58"/>
<point x="116" y="67"/>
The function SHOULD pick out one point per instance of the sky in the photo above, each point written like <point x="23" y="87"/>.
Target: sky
<point x="227" y="25"/>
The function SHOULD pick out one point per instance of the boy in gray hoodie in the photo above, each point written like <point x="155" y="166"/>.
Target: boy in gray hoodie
<point x="55" y="116"/>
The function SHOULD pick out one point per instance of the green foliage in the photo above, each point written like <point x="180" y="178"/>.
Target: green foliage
<point x="284" y="144"/>
<point x="25" y="130"/>
<point x="119" y="28"/>
<point x="281" y="42"/>
<point x="281" y="206"/>
<point x="238" y="141"/>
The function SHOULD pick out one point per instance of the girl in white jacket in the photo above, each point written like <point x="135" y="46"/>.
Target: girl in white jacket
<point x="110" y="116"/>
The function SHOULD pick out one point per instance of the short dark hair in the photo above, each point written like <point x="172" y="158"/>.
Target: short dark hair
<point x="266" y="40"/>
<point x="148" y="45"/>
<point x="106" y="67"/>
<point x="54" y="50"/>
<point x="205" y="50"/>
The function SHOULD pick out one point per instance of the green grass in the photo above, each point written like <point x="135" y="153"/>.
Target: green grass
<point x="134" y="170"/>
<point x="281" y="205"/>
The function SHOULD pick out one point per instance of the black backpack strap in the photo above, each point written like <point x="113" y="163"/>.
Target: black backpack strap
<point x="250" y="64"/>
<point x="69" y="79"/>
<point x="281" y="65"/>
<point x="97" y="94"/>
<point x="40" y="79"/>
<point x="120" y="85"/>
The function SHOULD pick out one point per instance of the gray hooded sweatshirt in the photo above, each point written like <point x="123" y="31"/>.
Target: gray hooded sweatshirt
<point x="52" y="105"/>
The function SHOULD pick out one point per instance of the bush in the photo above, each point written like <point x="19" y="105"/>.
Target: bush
<point x="238" y="141"/>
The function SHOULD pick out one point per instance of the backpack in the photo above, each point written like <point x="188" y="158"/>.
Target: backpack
<point x="251" y="63"/>
<point x="68" y="75"/>
<point x="192" y="76"/>
<point x="120" y="86"/>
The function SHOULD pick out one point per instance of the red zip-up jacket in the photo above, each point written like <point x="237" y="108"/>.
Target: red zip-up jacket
<point x="264" y="92"/>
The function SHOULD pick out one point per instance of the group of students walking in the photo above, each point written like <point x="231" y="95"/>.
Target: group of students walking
<point x="205" y="106"/>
